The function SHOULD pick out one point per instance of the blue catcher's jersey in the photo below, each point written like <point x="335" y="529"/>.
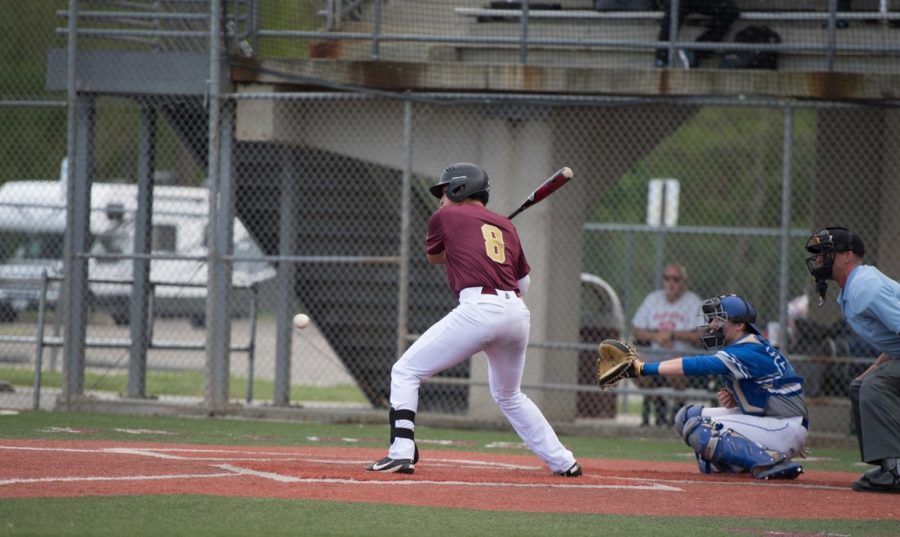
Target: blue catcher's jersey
<point x="762" y="380"/>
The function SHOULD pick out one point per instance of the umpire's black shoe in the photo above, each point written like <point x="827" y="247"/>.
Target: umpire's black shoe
<point x="573" y="471"/>
<point x="880" y="479"/>
<point x="388" y="465"/>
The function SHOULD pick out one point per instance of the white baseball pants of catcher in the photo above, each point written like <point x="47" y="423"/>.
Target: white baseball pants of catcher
<point x="498" y="325"/>
<point x="787" y="435"/>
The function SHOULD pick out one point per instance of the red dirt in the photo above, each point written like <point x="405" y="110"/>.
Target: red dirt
<point x="483" y="481"/>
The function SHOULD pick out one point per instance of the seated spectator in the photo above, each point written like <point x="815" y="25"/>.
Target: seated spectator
<point x="666" y="320"/>
<point x="721" y="13"/>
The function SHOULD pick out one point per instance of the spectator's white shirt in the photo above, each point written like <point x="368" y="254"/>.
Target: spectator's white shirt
<point x="657" y="313"/>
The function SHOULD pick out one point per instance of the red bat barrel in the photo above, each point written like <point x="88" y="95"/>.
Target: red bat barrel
<point x="549" y="186"/>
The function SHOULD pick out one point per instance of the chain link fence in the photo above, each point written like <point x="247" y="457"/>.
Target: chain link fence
<point x="321" y="206"/>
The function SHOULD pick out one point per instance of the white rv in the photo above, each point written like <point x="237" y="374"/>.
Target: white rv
<point x="32" y="228"/>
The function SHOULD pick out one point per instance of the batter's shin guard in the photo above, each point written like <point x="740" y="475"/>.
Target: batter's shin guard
<point x="728" y="448"/>
<point x="402" y="432"/>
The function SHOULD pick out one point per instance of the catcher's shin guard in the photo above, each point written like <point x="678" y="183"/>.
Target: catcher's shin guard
<point x="726" y="448"/>
<point x="684" y="414"/>
<point x="403" y="432"/>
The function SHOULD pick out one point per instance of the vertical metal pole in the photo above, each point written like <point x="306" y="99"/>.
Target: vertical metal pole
<point x="251" y="345"/>
<point x="78" y="216"/>
<point x="78" y="203"/>
<point x="219" y="323"/>
<point x="405" y="208"/>
<point x="39" y="347"/>
<point x="629" y="283"/>
<point x="783" y="269"/>
<point x="213" y="391"/>
<point x="143" y="226"/>
<point x="150" y="314"/>
<point x="523" y="33"/>
<point x="57" y="330"/>
<point x="376" y="30"/>
<point x="72" y="379"/>
<point x="254" y="26"/>
<point x="659" y="259"/>
<point x="286" y="277"/>
<point x="832" y="34"/>
<point x="673" y="29"/>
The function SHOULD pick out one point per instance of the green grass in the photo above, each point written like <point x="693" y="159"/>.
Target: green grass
<point x="198" y="515"/>
<point x="186" y="384"/>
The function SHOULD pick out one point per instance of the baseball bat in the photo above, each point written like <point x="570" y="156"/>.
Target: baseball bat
<point x="549" y="186"/>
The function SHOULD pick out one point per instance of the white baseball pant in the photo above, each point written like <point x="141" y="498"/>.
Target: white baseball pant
<point x="498" y="325"/>
<point x="787" y="435"/>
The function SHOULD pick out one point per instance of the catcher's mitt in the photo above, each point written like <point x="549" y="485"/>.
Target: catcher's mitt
<point x="616" y="362"/>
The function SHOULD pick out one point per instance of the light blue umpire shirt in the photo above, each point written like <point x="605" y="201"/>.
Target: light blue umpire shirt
<point x="870" y="302"/>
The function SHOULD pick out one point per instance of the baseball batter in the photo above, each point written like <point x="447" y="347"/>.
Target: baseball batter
<point x="763" y="420"/>
<point x="487" y="270"/>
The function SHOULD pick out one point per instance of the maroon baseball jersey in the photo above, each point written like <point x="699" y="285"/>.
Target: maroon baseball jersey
<point x="482" y="247"/>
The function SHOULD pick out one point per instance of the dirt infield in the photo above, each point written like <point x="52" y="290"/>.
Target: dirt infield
<point x="467" y="480"/>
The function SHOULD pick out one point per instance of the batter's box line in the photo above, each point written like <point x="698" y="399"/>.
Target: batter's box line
<point x="408" y="483"/>
<point x="750" y="482"/>
<point x="73" y="479"/>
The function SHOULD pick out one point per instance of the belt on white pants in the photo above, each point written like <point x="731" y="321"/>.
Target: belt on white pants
<point x="473" y="291"/>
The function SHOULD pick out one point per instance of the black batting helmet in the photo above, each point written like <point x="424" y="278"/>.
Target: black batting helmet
<point x="463" y="181"/>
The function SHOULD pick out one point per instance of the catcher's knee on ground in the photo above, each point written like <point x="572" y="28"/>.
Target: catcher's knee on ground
<point x="725" y="450"/>
<point x="397" y="431"/>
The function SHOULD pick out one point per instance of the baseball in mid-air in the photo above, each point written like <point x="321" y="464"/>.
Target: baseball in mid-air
<point x="301" y="321"/>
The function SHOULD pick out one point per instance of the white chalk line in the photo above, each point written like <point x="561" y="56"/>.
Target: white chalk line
<point x="167" y="453"/>
<point x="750" y="482"/>
<point x="235" y="471"/>
<point x="72" y="479"/>
<point x="337" y="481"/>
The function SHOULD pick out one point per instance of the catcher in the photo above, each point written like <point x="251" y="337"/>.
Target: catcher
<point x="762" y="423"/>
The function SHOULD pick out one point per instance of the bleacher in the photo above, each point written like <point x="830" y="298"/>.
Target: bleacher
<point x="571" y="33"/>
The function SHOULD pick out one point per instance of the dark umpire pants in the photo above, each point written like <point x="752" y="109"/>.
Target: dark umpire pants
<point x="876" y="412"/>
<point x="722" y="14"/>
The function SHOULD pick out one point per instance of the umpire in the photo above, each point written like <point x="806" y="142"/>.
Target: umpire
<point x="870" y="303"/>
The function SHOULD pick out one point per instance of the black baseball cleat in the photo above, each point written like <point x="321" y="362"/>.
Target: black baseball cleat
<point x="573" y="471"/>
<point x="884" y="478"/>
<point x="388" y="465"/>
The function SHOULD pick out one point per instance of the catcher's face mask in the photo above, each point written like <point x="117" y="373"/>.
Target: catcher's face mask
<point x="712" y="326"/>
<point x="715" y="312"/>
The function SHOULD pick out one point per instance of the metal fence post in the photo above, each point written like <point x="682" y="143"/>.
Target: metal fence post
<point x="285" y="278"/>
<point x="138" y="309"/>
<point x="376" y="31"/>
<point x="39" y="347"/>
<point x="784" y="266"/>
<point x="405" y="208"/>
<point x="523" y="33"/>
<point x="215" y="391"/>
<point x="674" y="9"/>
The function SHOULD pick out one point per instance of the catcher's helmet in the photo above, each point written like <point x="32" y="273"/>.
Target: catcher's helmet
<point x="463" y="181"/>
<point x="725" y="308"/>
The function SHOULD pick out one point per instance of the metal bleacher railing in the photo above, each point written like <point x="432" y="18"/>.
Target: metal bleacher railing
<point x="172" y="28"/>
